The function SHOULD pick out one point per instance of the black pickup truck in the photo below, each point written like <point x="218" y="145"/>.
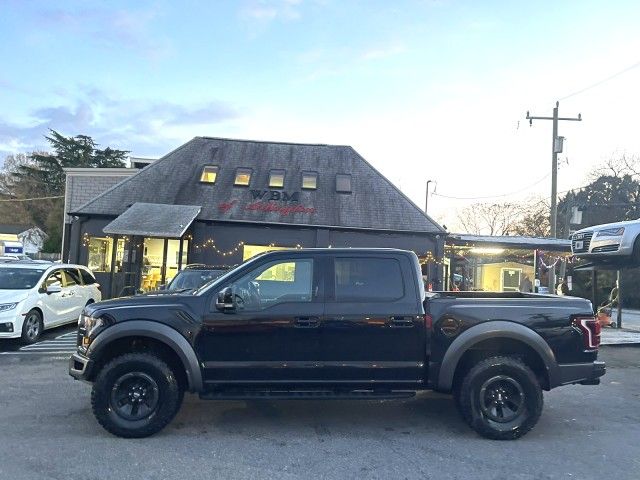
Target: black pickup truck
<point x="333" y="323"/>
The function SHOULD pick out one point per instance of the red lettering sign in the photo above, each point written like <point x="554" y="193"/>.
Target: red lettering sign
<point x="281" y="209"/>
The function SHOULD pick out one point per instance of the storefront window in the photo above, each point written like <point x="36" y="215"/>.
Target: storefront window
<point x="99" y="258"/>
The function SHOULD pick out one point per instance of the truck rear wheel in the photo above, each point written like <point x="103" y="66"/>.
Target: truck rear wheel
<point x="135" y="395"/>
<point x="500" y="398"/>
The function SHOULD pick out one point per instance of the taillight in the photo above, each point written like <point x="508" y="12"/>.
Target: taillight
<point x="428" y="321"/>
<point x="590" y="328"/>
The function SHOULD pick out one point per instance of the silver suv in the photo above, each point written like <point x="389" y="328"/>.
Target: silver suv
<point x="611" y="241"/>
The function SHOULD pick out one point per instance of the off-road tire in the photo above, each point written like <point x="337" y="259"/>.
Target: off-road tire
<point x="28" y="336"/>
<point x="120" y="375"/>
<point x="486" y="384"/>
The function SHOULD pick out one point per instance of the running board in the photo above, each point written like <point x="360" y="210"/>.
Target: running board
<point x="305" y="395"/>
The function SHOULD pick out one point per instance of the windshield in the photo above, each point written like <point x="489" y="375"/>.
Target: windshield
<point x="204" y="288"/>
<point x="193" y="279"/>
<point x="19" y="278"/>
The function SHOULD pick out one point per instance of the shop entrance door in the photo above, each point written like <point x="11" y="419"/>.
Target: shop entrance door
<point x="161" y="261"/>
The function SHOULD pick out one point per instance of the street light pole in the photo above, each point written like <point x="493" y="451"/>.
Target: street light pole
<point x="426" y="201"/>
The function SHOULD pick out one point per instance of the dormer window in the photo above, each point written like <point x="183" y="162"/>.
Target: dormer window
<point x="343" y="183"/>
<point x="276" y="178"/>
<point x="243" y="177"/>
<point x="209" y="174"/>
<point x="309" y="180"/>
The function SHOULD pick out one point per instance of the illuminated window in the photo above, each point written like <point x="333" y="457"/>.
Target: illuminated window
<point x="343" y="183"/>
<point x="99" y="254"/>
<point x="309" y="180"/>
<point x="243" y="176"/>
<point x="276" y="178"/>
<point x="209" y="174"/>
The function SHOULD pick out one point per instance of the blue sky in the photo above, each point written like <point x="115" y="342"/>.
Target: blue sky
<point x="423" y="89"/>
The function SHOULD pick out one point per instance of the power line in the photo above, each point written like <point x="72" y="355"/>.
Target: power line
<point x="30" y="199"/>
<point x="605" y="80"/>
<point x="494" y="196"/>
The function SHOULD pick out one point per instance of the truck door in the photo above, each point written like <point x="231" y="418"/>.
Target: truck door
<point x="373" y="333"/>
<point x="272" y="335"/>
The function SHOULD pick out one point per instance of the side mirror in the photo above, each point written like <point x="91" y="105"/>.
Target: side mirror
<point x="53" y="289"/>
<point x="224" y="301"/>
<point x="162" y="287"/>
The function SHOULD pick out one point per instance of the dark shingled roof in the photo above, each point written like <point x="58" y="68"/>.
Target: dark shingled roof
<point x="154" y="220"/>
<point x="375" y="203"/>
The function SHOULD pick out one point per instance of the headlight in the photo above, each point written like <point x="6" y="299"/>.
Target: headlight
<point x="89" y="324"/>
<point x="610" y="232"/>
<point x="5" y="307"/>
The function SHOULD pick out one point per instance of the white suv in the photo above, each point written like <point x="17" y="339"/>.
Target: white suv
<point x="37" y="296"/>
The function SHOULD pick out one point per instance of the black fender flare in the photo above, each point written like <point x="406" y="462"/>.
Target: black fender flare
<point x="157" y="331"/>
<point x="493" y="330"/>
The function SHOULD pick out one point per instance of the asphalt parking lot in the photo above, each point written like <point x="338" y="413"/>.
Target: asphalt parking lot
<point x="47" y="431"/>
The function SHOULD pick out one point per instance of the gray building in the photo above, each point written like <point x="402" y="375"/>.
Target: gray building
<point x="220" y="201"/>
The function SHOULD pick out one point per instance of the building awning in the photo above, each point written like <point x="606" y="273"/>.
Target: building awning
<point x="154" y="220"/>
<point x="512" y="242"/>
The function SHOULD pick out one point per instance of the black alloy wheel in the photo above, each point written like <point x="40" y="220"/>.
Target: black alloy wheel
<point x="500" y="398"/>
<point x="136" y="395"/>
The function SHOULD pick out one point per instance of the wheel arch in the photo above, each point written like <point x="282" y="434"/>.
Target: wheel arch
<point x="156" y="332"/>
<point x="508" y="335"/>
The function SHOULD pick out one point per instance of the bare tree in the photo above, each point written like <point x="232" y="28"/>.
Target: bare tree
<point x="618" y="167"/>
<point x="527" y="218"/>
<point x="488" y="218"/>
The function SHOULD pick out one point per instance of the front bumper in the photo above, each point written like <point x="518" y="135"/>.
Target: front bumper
<point x="80" y="367"/>
<point x="582" y="373"/>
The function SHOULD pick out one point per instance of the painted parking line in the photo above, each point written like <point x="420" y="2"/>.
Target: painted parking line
<point x="62" y="344"/>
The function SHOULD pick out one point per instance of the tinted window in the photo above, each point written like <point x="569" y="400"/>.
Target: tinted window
<point x="368" y="280"/>
<point x="87" y="278"/>
<point x="276" y="282"/>
<point x="73" y="277"/>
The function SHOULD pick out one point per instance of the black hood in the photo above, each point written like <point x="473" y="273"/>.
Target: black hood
<point x="143" y="300"/>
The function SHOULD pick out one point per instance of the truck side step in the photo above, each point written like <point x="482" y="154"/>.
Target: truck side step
<point x="304" y="395"/>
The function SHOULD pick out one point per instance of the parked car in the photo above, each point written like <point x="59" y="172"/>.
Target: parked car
<point x="610" y="243"/>
<point x="35" y="296"/>
<point x="192" y="277"/>
<point x="333" y="323"/>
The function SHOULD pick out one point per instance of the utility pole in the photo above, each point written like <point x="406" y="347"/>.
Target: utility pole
<point x="556" y="147"/>
<point x="426" y="200"/>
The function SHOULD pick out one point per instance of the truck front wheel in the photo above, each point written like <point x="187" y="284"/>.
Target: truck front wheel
<point x="135" y="395"/>
<point x="500" y="398"/>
